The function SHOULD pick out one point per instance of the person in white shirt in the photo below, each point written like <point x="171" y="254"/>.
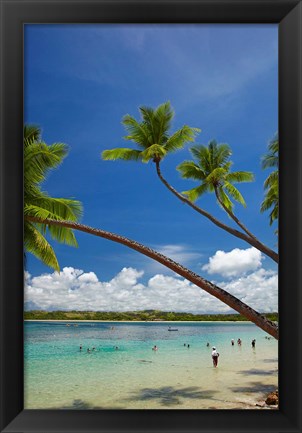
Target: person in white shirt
<point x="215" y="356"/>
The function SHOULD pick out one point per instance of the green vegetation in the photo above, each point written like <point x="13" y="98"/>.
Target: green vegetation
<point x="39" y="160"/>
<point x="212" y="170"/>
<point x="147" y="315"/>
<point x="271" y="184"/>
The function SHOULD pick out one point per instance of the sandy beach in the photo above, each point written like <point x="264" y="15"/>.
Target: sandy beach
<point x="179" y="375"/>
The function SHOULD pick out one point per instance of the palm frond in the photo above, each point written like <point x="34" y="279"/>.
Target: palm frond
<point x="155" y="151"/>
<point x="163" y="116"/>
<point x="190" y="170"/>
<point x="39" y="159"/>
<point x="271" y="159"/>
<point x="194" y="193"/>
<point x="58" y="208"/>
<point x="240" y="176"/>
<point x="222" y="153"/>
<point x="121" y="153"/>
<point x="184" y="135"/>
<point x="199" y="152"/>
<point x="36" y="244"/>
<point x="225" y="199"/>
<point x="217" y="176"/>
<point x="234" y="193"/>
<point x="138" y="131"/>
<point x="31" y="134"/>
<point x="272" y="180"/>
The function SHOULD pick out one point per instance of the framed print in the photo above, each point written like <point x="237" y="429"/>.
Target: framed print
<point x="151" y="135"/>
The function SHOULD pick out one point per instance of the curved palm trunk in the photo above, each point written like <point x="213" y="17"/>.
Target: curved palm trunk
<point x="210" y="288"/>
<point x="250" y="240"/>
<point x="234" y="218"/>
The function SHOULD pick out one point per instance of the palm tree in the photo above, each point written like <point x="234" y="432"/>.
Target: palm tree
<point x="58" y="216"/>
<point x="151" y="136"/>
<point x="271" y="184"/>
<point x="212" y="170"/>
<point x="39" y="159"/>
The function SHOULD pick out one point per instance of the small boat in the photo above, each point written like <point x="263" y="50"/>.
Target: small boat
<point x="172" y="329"/>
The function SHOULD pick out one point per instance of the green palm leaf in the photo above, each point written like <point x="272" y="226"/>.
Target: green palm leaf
<point x="184" y="135"/>
<point x="156" y="151"/>
<point x="138" y="132"/>
<point x="39" y="160"/>
<point x="212" y="167"/>
<point x="240" y="176"/>
<point x="225" y="200"/>
<point x="32" y="133"/>
<point x="36" y="244"/>
<point x="190" y="170"/>
<point x="271" y="159"/>
<point x="234" y="193"/>
<point x="194" y="193"/>
<point x="271" y="184"/>
<point x="272" y="179"/>
<point x="122" y="153"/>
<point x="217" y="176"/>
<point x="150" y="132"/>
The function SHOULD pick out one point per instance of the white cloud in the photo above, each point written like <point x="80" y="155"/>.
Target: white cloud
<point x="259" y="289"/>
<point x="234" y="263"/>
<point x="75" y="289"/>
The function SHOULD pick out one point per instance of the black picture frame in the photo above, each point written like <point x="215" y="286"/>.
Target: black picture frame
<point x="288" y="15"/>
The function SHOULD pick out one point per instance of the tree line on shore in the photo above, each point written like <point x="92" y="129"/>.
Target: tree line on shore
<point x="147" y="315"/>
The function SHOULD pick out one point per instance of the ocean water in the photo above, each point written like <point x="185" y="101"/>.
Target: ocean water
<point x="59" y="376"/>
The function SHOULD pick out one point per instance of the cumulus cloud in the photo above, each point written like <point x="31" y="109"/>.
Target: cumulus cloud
<point x="74" y="289"/>
<point x="258" y="289"/>
<point x="234" y="263"/>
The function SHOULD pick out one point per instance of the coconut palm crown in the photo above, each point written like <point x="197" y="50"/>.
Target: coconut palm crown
<point x="39" y="160"/>
<point x="151" y="135"/>
<point x="211" y="168"/>
<point x="271" y="184"/>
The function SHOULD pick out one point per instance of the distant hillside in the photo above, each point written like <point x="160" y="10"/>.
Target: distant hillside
<point x="147" y="315"/>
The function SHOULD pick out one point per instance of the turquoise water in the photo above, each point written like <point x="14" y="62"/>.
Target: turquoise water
<point x="59" y="375"/>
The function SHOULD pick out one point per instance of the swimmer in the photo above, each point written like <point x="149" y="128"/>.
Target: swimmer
<point x="188" y="346"/>
<point x="184" y="344"/>
<point x="253" y="343"/>
<point x="232" y="342"/>
<point x="239" y="342"/>
<point x="155" y="348"/>
<point x="81" y="347"/>
<point x="116" y="348"/>
<point x="208" y="344"/>
<point x="88" y="350"/>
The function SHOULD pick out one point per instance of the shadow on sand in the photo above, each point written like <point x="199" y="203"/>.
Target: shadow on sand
<point x="256" y="372"/>
<point x="169" y="395"/>
<point x="79" y="404"/>
<point x="255" y="387"/>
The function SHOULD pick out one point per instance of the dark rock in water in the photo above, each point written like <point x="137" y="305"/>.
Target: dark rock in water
<point x="272" y="398"/>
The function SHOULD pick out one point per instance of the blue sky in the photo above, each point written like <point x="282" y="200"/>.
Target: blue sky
<point x="80" y="80"/>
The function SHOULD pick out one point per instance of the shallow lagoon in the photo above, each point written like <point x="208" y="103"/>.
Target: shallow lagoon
<point x="59" y="375"/>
